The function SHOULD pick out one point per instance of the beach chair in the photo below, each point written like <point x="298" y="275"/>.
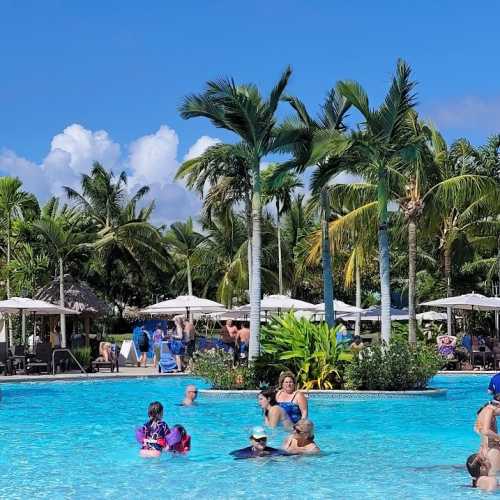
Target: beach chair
<point x="101" y="363"/>
<point x="42" y="360"/>
<point x="446" y="345"/>
<point x="167" y="361"/>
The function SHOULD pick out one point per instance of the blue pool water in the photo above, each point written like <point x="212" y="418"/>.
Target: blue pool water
<point x="76" y="440"/>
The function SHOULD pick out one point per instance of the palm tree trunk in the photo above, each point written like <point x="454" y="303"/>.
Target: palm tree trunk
<point x="9" y="322"/>
<point x="61" y="303"/>
<point x="357" y="328"/>
<point x="447" y="275"/>
<point x="326" y="260"/>
<point x="189" y="279"/>
<point x="412" y="281"/>
<point x="280" y="264"/>
<point x="384" y="258"/>
<point x="255" y="290"/>
<point x="248" y="210"/>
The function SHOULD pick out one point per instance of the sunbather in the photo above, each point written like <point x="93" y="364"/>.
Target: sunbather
<point x="446" y="346"/>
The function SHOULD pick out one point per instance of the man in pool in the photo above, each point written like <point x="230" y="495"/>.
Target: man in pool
<point x="190" y="395"/>
<point x="486" y="427"/>
<point x="258" y="447"/>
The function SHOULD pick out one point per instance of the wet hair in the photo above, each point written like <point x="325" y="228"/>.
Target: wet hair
<point x="475" y="466"/>
<point x="283" y="376"/>
<point x="155" y="410"/>
<point x="270" y="395"/>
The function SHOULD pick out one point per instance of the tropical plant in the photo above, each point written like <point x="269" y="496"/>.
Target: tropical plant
<point x="309" y="350"/>
<point x="242" y="110"/>
<point x="398" y="366"/>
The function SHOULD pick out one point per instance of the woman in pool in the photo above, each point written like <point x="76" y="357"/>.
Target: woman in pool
<point x="273" y="413"/>
<point x="301" y="442"/>
<point x="292" y="401"/>
<point x="154" y="432"/>
<point x="483" y="477"/>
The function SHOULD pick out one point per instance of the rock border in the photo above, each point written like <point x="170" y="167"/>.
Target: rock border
<point x="333" y="394"/>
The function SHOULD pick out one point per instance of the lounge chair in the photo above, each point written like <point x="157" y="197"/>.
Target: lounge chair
<point x="167" y="361"/>
<point x="42" y="360"/>
<point x="5" y="359"/>
<point x="446" y="345"/>
<point x="101" y="363"/>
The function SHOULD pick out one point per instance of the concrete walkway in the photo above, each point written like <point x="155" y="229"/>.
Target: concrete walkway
<point x="125" y="372"/>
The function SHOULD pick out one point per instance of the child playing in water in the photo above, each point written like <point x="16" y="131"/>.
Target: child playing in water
<point x="154" y="432"/>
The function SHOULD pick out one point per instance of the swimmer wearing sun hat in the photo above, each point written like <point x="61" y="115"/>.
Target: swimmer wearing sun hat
<point x="258" y="447"/>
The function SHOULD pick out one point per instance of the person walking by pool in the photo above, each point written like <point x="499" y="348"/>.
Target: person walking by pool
<point x="190" y="395"/>
<point x="143" y="347"/>
<point x="228" y="334"/>
<point x="290" y="399"/>
<point x="242" y="341"/>
<point x="154" y="432"/>
<point x="157" y="340"/>
<point x="189" y="338"/>
<point x="258" y="446"/>
<point x="274" y="415"/>
<point x="176" y="346"/>
<point x="301" y="441"/>
<point x="55" y="338"/>
<point x="483" y="476"/>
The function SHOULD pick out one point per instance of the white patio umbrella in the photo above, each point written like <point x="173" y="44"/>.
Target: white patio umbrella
<point x="469" y="302"/>
<point x="185" y="304"/>
<point x="340" y="308"/>
<point x="25" y="305"/>
<point x="277" y="303"/>
<point x="374" y="314"/>
<point x="431" y="316"/>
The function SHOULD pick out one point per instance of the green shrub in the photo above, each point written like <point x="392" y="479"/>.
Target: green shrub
<point x="394" y="367"/>
<point x="83" y="355"/>
<point x="216" y="366"/>
<point x="307" y="349"/>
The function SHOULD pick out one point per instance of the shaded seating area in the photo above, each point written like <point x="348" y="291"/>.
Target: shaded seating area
<point x="107" y="358"/>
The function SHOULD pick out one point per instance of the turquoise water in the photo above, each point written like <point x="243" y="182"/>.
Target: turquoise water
<point x="76" y="440"/>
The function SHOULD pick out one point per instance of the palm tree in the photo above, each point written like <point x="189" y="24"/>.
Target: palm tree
<point x="14" y="203"/>
<point x="316" y="137"/>
<point x="281" y="190"/>
<point x="222" y="177"/>
<point x="62" y="231"/>
<point x="242" y="110"/>
<point x="383" y="144"/>
<point x="183" y="241"/>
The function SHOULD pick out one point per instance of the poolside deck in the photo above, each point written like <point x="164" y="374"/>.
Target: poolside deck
<point x="125" y="372"/>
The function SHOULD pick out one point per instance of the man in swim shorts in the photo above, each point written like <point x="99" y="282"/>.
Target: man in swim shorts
<point x="258" y="447"/>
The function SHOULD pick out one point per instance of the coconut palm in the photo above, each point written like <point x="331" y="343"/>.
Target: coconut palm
<point x="14" y="203"/>
<point x="280" y="190"/>
<point x="242" y="110"/>
<point x="314" y="149"/>
<point x="62" y="231"/>
<point x="183" y="241"/>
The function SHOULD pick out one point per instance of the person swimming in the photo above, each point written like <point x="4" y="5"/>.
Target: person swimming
<point x="258" y="447"/>
<point x="301" y="441"/>
<point x="479" y="467"/>
<point x="190" y="395"/>
<point x="292" y="401"/>
<point x="154" y="432"/>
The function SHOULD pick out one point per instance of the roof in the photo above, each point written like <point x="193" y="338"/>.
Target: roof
<point x="77" y="295"/>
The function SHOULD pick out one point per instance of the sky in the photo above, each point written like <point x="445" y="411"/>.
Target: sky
<point x="102" y="81"/>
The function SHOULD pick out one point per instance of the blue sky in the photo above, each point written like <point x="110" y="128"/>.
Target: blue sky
<point x="122" y="67"/>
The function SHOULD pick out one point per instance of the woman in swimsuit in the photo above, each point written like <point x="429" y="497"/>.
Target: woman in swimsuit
<point x="292" y="401"/>
<point x="301" y="442"/>
<point x="273" y="413"/>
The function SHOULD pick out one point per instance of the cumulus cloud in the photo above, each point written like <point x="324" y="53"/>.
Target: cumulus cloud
<point x="150" y="159"/>
<point x="467" y="113"/>
<point x="200" y="146"/>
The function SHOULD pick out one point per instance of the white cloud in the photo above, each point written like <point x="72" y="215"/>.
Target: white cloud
<point x="468" y="113"/>
<point x="200" y="146"/>
<point x="151" y="160"/>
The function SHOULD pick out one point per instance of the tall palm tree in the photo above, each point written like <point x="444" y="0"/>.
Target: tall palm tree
<point x="62" y="231"/>
<point x="316" y="136"/>
<point x="280" y="190"/>
<point x="242" y="110"/>
<point x="182" y="240"/>
<point x="14" y="203"/>
<point x="383" y="144"/>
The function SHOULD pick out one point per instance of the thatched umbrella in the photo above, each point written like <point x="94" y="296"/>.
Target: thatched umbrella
<point x="77" y="296"/>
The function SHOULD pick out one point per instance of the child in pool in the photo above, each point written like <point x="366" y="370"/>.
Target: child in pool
<point x="155" y="432"/>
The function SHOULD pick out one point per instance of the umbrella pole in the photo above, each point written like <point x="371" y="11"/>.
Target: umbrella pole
<point x="23" y="328"/>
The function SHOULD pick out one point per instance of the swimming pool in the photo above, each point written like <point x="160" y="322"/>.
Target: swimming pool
<point x="76" y="440"/>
